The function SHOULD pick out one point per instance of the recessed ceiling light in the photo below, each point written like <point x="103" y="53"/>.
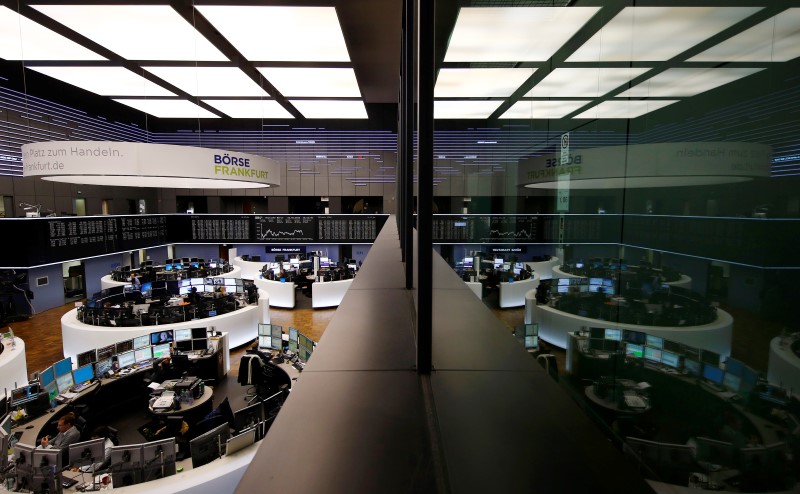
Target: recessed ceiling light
<point x="586" y="82"/>
<point x="657" y="33"/>
<point x="164" y="108"/>
<point x="543" y="109"/>
<point x="467" y="109"/>
<point x="312" y="82"/>
<point x="624" y="108"/>
<point x="238" y="108"/>
<point x="209" y="81"/>
<point x="687" y="81"/>
<point x="275" y="33"/>
<point x="105" y="81"/>
<point x="330" y="108"/>
<point x="136" y="32"/>
<point x="479" y="83"/>
<point x="775" y="40"/>
<point x="513" y="34"/>
<point x="23" y="39"/>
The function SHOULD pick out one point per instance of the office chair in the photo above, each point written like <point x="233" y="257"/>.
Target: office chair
<point x="253" y="371"/>
<point x="548" y="361"/>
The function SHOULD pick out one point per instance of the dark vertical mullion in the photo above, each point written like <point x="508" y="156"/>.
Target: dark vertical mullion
<point x="426" y="73"/>
<point x="407" y="130"/>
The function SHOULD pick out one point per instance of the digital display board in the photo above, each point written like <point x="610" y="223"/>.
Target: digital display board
<point x="284" y="228"/>
<point x="220" y="228"/>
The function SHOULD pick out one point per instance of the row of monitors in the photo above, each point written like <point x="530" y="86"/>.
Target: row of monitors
<point x="270" y="336"/>
<point x="597" y="263"/>
<point x="733" y="380"/>
<point x="60" y="377"/>
<point x="656" y="342"/>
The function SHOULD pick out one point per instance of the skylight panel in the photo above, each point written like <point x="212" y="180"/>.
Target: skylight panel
<point x="467" y="109"/>
<point x="687" y="81"/>
<point x="162" y="108"/>
<point x="584" y="82"/>
<point x="209" y="81"/>
<point x="478" y="83"/>
<point x="775" y="40"/>
<point x="105" y="81"/>
<point x="23" y="39"/>
<point x="313" y="82"/>
<point x="624" y="108"/>
<point x="237" y="108"/>
<point x="543" y="109"/>
<point x="330" y="108"/>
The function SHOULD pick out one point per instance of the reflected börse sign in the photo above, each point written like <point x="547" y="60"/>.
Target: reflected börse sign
<point x="641" y="165"/>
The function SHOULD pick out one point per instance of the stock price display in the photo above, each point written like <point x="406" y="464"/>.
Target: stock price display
<point x="284" y="228"/>
<point x="74" y="238"/>
<point x="220" y="228"/>
<point x="137" y="232"/>
<point x="347" y="229"/>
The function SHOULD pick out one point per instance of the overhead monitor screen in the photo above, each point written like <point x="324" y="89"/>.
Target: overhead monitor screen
<point x="105" y="353"/>
<point x="613" y="334"/>
<point x="45" y="377"/>
<point x="183" y="334"/>
<point x="63" y="367"/>
<point x="141" y="341"/>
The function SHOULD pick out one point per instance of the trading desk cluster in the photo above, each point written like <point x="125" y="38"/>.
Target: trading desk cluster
<point x="172" y="269"/>
<point x="166" y="301"/>
<point x="719" y="423"/>
<point x="220" y="432"/>
<point x="300" y="270"/>
<point x="598" y="267"/>
<point x="492" y="271"/>
<point x="627" y="300"/>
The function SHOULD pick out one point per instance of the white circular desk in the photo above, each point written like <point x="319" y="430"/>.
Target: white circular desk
<point x="250" y="270"/>
<point x="106" y="282"/>
<point x="281" y="294"/>
<point x="328" y="293"/>
<point x="513" y="294"/>
<point x="241" y="326"/>
<point x="13" y="365"/>
<point x="783" y="367"/>
<point x="544" y="268"/>
<point x="684" y="282"/>
<point x="716" y="336"/>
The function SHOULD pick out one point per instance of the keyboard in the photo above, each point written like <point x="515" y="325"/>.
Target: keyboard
<point x="144" y="364"/>
<point x="80" y="387"/>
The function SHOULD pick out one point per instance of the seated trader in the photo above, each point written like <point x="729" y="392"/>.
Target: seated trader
<point x="100" y="432"/>
<point x="193" y="297"/>
<point x="135" y="281"/>
<point x="67" y="433"/>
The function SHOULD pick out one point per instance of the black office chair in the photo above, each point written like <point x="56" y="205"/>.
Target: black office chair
<point x="254" y="372"/>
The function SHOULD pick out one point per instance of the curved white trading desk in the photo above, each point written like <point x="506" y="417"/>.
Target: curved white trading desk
<point x="281" y="294"/>
<point x="513" y="294"/>
<point x="684" y="282"/>
<point x="241" y="326"/>
<point x="783" y="368"/>
<point x="544" y="268"/>
<point x="13" y="365"/>
<point x="106" y="282"/>
<point x="250" y="270"/>
<point x="328" y="293"/>
<point x="555" y="324"/>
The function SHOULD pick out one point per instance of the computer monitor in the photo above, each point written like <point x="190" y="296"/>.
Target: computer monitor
<point x="159" y="337"/>
<point x="103" y="366"/>
<point x="86" y="357"/>
<point x="25" y="394"/>
<point x="5" y="425"/>
<point x="83" y="374"/>
<point x="126" y="464"/>
<point x="200" y="344"/>
<point x="732" y="382"/>
<point x="168" y="267"/>
<point x="161" y="351"/>
<point x="45" y="377"/>
<point x="63" y="367"/>
<point x="209" y="446"/>
<point x="294" y="263"/>
<point x="87" y="452"/>
<point x="652" y="354"/>
<point x="709" y="357"/>
<point x="264" y="329"/>
<point x="241" y="441"/>
<point x="324" y="262"/>
<point x="146" y="289"/>
<point x="654" y="341"/>
<point x="123" y="346"/>
<point x="248" y="417"/>
<point x="613" y="334"/>
<point x="141" y="341"/>
<point x="198" y="333"/>
<point x="277" y="343"/>
<point x="293" y="334"/>
<point x="64" y="383"/>
<point x="126" y="359"/>
<point x="713" y="373"/>
<point x="634" y="350"/>
<point x="158" y="459"/>
<point x="105" y="352"/>
<point x="183" y="334"/>
<point x="531" y="341"/>
<point x="264" y="342"/>
<point x="293" y="346"/>
<point x="670" y="359"/>
<point x="467" y="263"/>
<point x="143" y="354"/>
